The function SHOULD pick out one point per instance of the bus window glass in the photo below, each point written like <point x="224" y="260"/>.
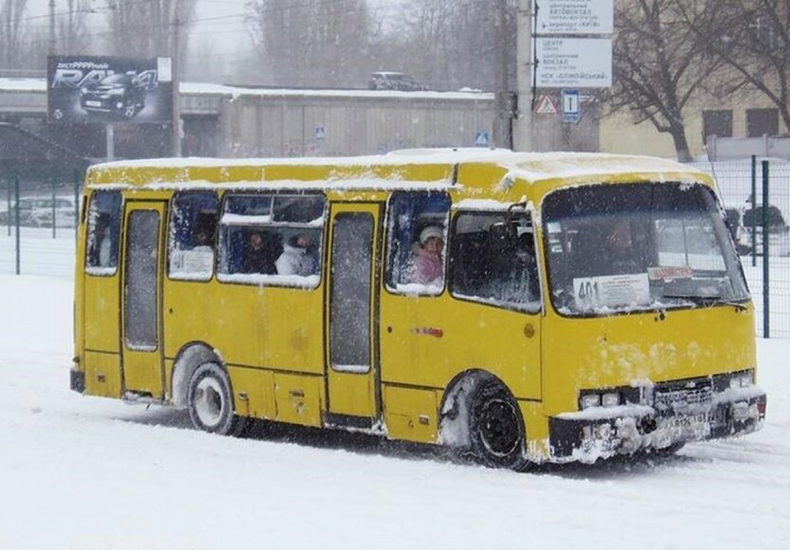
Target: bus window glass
<point x="624" y="247"/>
<point x="140" y="296"/>
<point x="492" y="260"/>
<point x="274" y="240"/>
<point x="192" y="229"/>
<point x="104" y="225"/>
<point x="417" y="237"/>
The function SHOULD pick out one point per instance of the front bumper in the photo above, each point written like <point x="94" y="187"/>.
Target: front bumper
<point x="605" y="432"/>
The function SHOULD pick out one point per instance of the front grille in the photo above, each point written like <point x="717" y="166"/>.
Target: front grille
<point x="678" y="397"/>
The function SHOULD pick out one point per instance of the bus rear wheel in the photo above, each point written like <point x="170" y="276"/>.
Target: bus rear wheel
<point x="210" y="402"/>
<point x="496" y="430"/>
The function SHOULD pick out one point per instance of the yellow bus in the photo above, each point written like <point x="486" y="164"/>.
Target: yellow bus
<point x="523" y="308"/>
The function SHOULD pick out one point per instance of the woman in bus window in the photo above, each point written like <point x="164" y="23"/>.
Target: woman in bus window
<point x="427" y="264"/>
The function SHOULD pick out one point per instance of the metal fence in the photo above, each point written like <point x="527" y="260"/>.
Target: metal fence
<point x="756" y="194"/>
<point x="30" y="213"/>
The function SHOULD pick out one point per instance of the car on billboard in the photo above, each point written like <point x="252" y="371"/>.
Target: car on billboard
<point x="119" y="94"/>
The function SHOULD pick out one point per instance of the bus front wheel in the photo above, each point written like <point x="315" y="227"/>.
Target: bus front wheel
<point x="496" y="430"/>
<point x="210" y="402"/>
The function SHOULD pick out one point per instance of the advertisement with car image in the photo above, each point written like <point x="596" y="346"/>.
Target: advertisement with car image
<point x="91" y="89"/>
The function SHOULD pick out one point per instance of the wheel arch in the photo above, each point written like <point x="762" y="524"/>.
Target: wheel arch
<point x="453" y="411"/>
<point x="188" y="359"/>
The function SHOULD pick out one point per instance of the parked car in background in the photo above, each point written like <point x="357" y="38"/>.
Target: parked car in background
<point x="387" y="80"/>
<point x="39" y="211"/>
<point x="778" y="231"/>
<point x="732" y="219"/>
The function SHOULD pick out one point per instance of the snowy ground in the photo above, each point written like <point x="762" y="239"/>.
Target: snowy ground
<point x="88" y="473"/>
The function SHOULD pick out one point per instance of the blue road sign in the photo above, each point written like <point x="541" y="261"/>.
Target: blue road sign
<point x="481" y="139"/>
<point x="571" y="106"/>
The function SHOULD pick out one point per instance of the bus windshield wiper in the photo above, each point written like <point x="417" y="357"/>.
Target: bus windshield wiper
<point x="705" y="300"/>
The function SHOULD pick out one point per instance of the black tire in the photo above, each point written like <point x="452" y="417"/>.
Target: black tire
<point x="210" y="402"/>
<point x="672" y="450"/>
<point x="496" y="429"/>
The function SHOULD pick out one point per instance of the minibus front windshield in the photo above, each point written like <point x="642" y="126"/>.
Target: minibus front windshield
<point x="630" y="247"/>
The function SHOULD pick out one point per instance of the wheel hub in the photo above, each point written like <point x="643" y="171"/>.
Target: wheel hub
<point x="209" y="403"/>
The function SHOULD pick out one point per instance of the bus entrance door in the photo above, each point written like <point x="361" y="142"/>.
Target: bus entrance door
<point x="142" y="346"/>
<point x="352" y="372"/>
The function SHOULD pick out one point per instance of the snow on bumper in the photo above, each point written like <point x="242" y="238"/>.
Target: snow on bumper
<point x="604" y="432"/>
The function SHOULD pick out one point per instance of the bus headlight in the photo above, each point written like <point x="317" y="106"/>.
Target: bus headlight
<point x="590" y="400"/>
<point x="610" y="399"/>
<point x="742" y="379"/>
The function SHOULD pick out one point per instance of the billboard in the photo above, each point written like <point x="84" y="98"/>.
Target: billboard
<point x="98" y="89"/>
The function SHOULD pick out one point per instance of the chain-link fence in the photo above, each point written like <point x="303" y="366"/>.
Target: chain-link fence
<point x="756" y="196"/>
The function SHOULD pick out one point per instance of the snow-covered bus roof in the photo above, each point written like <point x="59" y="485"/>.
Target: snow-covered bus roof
<point x="478" y="171"/>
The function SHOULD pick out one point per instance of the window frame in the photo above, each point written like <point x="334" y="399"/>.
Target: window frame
<point x="99" y="271"/>
<point x="530" y="308"/>
<point x="171" y="216"/>
<point x="389" y="240"/>
<point x="313" y="282"/>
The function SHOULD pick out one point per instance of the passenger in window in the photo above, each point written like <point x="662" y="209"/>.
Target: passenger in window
<point x="256" y="258"/>
<point x="619" y="250"/>
<point x="203" y="241"/>
<point x="101" y="251"/>
<point x="427" y="265"/>
<point x="297" y="258"/>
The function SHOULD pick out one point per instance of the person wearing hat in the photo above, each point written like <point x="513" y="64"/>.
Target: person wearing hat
<point x="427" y="265"/>
<point x="295" y="259"/>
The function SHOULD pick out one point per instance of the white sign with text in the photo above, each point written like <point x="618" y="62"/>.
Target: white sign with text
<point x="574" y="63"/>
<point x="575" y="17"/>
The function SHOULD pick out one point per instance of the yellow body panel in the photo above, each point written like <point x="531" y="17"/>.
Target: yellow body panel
<point x="253" y="391"/>
<point x="251" y="325"/>
<point x="427" y="341"/>
<point x="623" y="350"/>
<point x="411" y="413"/>
<point x="298" y="398"/>
<point x="102" y="374"/>
<point x="102" y="325"/>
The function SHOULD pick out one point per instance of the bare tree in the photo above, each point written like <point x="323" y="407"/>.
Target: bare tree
<point x="311" y="42"/>
<point x="11" y="32"/>
<point x="660" y="62"/>
<point x="144" y="29"/>
<point x="454" y="43"/>
<point x="753" y="38"/>
<point x="72" y="33"/>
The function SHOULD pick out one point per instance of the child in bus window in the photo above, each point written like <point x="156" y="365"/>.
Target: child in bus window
<point x="427" y="265"/>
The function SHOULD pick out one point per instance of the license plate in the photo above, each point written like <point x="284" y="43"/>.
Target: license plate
<point x="93" y="103"/>
<point x="693" y="425"/>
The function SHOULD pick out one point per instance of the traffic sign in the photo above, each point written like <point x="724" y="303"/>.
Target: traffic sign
<point x="320" y="132"/>
<point x="482" y="139"/>
<point x="571" y="107"/>
<point x="545" y="105"/>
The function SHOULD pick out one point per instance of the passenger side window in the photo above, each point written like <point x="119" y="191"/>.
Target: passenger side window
<point x="193" y="228"/>
<point x="272" y="239"/>
<point x="417" y="236"/>
<point x="104" y="226"/>
<point x="493" y="260"/>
